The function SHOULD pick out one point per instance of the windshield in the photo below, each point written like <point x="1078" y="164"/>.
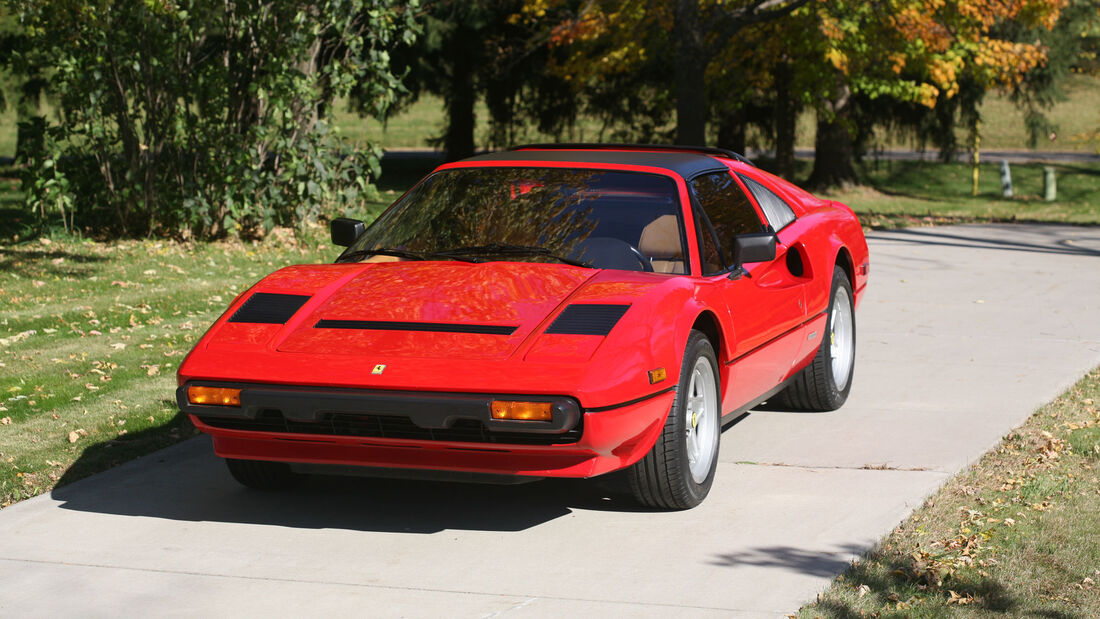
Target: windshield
<point x="597" y="218"/>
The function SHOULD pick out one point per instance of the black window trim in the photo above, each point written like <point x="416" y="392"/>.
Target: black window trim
<point x="698" y="208"/>
<point x="748" y="190"/>
<point x="706" y="228"/>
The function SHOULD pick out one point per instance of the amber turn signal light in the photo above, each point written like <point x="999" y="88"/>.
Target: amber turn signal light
<point x="522" y="411"/>
<point x="214" y="395"/>
<point x="656" y="376"/>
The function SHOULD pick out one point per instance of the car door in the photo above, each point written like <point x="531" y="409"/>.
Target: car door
<point x="766" y="301"/>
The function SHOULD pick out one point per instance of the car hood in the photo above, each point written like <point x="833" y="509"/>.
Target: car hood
<point x="430" y="309"/>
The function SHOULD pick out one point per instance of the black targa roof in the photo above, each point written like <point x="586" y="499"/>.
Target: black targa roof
<point x="687" y="165"/>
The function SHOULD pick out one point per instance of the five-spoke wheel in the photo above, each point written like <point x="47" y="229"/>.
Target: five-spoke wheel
<point x="677" y="473"/>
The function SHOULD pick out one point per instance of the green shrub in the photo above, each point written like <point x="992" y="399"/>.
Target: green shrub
<point x="205" y="117"/>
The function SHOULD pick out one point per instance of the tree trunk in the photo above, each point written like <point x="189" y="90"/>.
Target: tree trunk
<point x="731" y="131"/>
<point x="458" y="142"/>
<point x="833" y="146"/>
<point x="691" y="106"/>
<point x="786" y="121"/>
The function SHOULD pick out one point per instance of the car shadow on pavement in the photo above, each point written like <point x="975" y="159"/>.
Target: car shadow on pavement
<point x="1050" y="239"/>
<point x="188" y="483"/>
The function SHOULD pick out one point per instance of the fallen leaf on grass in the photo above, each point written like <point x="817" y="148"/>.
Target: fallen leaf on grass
<point x="18" y="337"/>
<point x="118" y="346"/>
<point x="151" y="370"/>
<point x="863" y="590"/>
<point x="961" y="600"/>
<point x="75" y="435"/>
<point x="6" y="421"/>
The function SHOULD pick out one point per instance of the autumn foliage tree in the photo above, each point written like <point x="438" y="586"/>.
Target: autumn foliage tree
<point x="653" y="54"/>
<point x="628" y="60"/>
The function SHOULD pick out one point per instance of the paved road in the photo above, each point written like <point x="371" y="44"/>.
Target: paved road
<point x="987" y="156"/>
<point x="966" y="330"/>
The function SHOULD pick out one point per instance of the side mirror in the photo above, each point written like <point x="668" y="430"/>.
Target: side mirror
<point x="345" y="231"/>
<point x="758" y="247"/>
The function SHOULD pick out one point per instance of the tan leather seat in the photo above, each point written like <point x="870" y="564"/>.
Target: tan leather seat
<point x="660" y="242"/>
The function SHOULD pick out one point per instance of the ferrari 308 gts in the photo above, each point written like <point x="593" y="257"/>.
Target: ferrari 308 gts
<point x="547" y="311"/>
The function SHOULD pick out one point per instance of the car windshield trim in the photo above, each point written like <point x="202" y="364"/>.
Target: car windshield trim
<point x="590" y="217"/>
<point x="359" y="254"/>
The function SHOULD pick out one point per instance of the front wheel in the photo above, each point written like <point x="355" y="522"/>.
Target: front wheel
<point x="678" y="472"/>
<point x="824" y="384"/>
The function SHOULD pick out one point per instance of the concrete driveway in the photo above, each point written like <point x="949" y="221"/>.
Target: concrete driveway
<point x="965" y="331"/>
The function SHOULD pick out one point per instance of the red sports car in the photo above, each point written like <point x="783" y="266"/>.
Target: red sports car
<point x="548" y="311"/>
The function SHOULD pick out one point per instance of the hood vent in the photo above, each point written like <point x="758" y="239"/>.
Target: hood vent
<point x="430" y="327"/>
<point x="269" y="308"/>
<point x="587" y="319"/>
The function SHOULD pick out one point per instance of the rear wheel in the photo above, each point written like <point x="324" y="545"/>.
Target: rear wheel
<point x="824" y="384"/>
<point x="678" y="472"/>
<point x="261" y="474"/>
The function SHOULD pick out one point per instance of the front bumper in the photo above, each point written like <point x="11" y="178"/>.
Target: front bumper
<point x="427" y="430"/>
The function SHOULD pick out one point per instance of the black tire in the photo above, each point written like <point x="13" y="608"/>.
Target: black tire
<point x="814" y="389"/>
<point x="663" y="478"/>
<point x="261" y="474"/>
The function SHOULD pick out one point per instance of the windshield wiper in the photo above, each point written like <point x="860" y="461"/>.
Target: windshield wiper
<point x="359" y="254"/>
<point x="507" y="249"/>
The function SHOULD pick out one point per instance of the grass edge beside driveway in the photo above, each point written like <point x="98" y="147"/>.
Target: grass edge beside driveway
<point x="1014" y="534"/>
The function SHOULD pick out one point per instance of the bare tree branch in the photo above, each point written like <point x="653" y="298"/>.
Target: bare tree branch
<point x="729" y="23"/>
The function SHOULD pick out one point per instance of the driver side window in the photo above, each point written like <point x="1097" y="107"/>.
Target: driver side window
<point x="728" y="212"/>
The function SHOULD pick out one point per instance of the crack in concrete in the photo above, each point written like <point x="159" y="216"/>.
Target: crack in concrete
<point x="865" y="467"/>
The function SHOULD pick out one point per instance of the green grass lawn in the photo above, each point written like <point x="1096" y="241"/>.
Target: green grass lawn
<point x="1003" y="125"/>
<point x="905" y="193"/>
<point x="1015" y="535"/>
<point x="92" y="333"/>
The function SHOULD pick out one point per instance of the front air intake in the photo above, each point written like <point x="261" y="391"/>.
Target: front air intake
<point x="269" y="308"/>
<point x="587" y="319"/>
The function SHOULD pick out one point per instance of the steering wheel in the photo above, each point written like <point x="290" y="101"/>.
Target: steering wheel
<point x="608" y="252"/>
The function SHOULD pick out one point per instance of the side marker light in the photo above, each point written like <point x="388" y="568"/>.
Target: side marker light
<point x="656" y="376"/>
<point x="218" y="396"/>
<point x="522" y="411"/>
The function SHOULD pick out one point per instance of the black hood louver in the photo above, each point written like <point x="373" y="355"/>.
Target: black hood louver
<point x="428" y="327"/>
<point x="587" y="319"/>
<point x="269" y="308"/>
